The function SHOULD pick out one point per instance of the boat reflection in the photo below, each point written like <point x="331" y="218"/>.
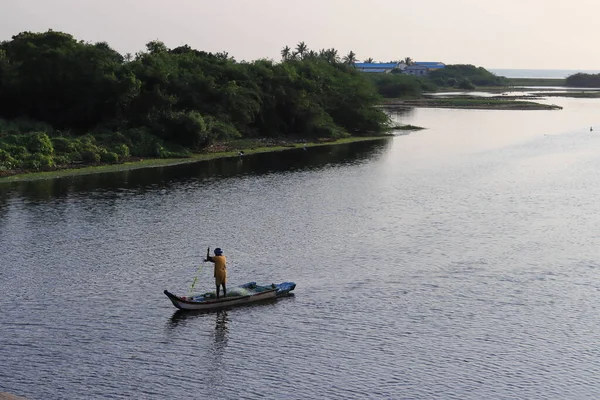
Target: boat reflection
<point x="220" y="333"/>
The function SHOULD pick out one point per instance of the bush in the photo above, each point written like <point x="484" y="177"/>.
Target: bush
<point x="186" y="128"/>
<point x="39" y="162"/>
<point x="219" y="130"/>
<point x="19" y="152"/>
<point x="478" y="76"/>
<point x="7" y="161"/>
<point x="61" y="160"/>
<point x="62" y="144"/>
<point x="39" y="142"/>
<point x="74" y="156"/>
<point x="583" y="80"/>
<point x="119" y="138"/>
<point x="145" y="144"/>
<point x="122" y="150"/>
<point x="90" y="156"/>
<point x="398" y="85"/>
<point x="466" y="84"/>
<point x="110" y="157"/>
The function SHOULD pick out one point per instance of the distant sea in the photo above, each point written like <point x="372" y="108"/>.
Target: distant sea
<point x="540" y="73"/>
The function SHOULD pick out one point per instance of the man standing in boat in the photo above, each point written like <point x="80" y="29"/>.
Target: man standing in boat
<point x="220" y="262"/>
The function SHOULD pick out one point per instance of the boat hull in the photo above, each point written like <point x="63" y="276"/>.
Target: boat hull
<point x="224" y="302"/>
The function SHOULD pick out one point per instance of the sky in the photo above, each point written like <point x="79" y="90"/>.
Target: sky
<point x="535" y="34"/>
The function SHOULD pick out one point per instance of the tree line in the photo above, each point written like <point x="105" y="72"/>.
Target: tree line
<point x="63" y="100"/>
<point x="583" y="80"/>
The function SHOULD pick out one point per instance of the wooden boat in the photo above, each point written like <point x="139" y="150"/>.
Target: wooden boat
<point x="243" y="294"/>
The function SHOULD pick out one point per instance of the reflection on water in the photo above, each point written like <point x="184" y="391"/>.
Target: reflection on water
<point x="159" y="178"/>
<point x="220" y="333"/>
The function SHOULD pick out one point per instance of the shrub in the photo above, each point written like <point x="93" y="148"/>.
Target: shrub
<point x="7" y="161"/>
<point x="146" y="144"/>
<point x="62" y="144"/>
<point x="219" y="130"/>
<point x="39" y="142"/>
<point x="185" y="128"/>
<point x="74" y="156"/>
<point x="61" y="160"/>
<point x="110" y="157"/>
<point x="466" y="84"/>
<point x="122" y="150"/>
<point x="90" y="156"/>
<point x="16" y="151"/>
<point x="39" y="162"/>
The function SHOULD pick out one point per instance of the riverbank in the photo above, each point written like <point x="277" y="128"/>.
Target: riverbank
<point x="471" y="102"/>
<point x="240" y="148"/>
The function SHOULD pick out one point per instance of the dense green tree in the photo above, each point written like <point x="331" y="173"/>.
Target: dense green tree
<point x="72" y="85"/>
<point x="459" y="74"/>
<point x="583" y="80"/>
<point x="401" y="85"/>
<point x="95" y="105"/>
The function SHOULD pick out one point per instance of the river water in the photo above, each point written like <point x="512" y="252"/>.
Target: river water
<point x="456" y="262"/>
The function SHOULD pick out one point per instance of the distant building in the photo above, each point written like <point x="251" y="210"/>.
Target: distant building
<point x="417" y="70"/>
<point x="422" y="68"/>
<point x="382" y="68"/>
<point x="432" y="66"/>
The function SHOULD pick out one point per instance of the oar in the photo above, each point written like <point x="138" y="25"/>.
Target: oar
<point x="191" y="291"/>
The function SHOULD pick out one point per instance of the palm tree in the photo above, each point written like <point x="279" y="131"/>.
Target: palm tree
<point x="285" y="53"/>
<point x="369" y="60"/>
<point x="350" y="58"/>
<point x="329" y="55"/>
<point x="301" y="49"/>
<point x="311" y="55"/>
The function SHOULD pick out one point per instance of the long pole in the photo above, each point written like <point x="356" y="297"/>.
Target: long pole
<point x="191" y="291"/>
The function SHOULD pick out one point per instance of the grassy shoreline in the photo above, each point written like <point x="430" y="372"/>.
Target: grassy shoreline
<point x="166" y="162"/>
<point x="472" y="103"/>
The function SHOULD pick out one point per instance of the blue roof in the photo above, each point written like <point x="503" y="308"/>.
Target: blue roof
<point x="376" y="65"/>
<point x="431" y="64"/>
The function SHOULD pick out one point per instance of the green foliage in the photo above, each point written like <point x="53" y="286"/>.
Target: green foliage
<point x="23" y="125"/>
<point x="220" y="130"/>
<point x="166" y="102"/>
<point x="583" y="80"/>
<point x="401" y="85"/>
<point x="90" y="156"/>
<point x="466" y="84"/>
<point x="38" y="162"/>
<point x="457" y="75"/>
<point x="54" y="78"/>
<point x="109" y="157"/>
<point x="7" y="161"/>
<point x="62" y="144"/>
<point x="122" y="150"/>
<point x="39" y="142"/>
<point x="186" y="128"/>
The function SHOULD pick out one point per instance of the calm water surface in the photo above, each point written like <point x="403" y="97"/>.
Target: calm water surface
<point x="457" y="262"/>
